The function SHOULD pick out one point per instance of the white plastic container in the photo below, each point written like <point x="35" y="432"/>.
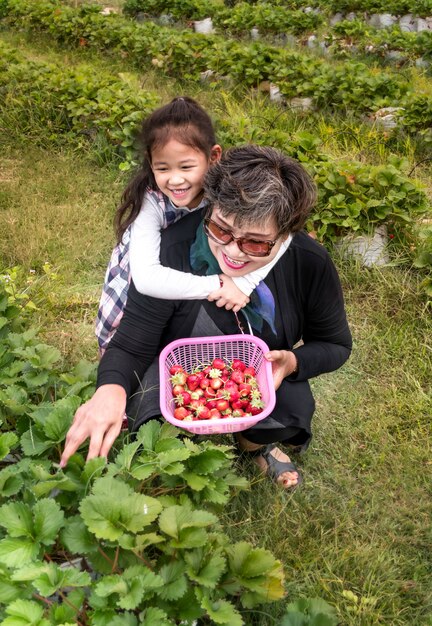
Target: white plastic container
<point x="370" y="250"/>
<point x="205" y="26"/>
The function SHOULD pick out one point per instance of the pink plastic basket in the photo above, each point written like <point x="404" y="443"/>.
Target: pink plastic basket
<point x="193" y="352"/>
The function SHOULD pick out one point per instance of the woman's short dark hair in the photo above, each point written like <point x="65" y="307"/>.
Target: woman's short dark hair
<point x="254" y="184"/>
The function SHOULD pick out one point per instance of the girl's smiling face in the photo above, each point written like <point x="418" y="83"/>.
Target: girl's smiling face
<point x="179" y="171"/>
<point x="232" y="261"/>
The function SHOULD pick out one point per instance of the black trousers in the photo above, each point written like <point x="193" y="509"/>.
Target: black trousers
<point x="289" y="423"/>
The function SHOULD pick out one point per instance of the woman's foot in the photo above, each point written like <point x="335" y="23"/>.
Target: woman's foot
<point x="273" y="462"/>
<point x="276" y="464"/>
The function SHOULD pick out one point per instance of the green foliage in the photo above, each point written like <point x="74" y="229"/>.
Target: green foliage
<point x="182" y="53"/>
<point x="135" y="539"/>
<point x="267" y="17"/>
<point x="76" y="103"/>
<point x="423" y="258"/>
<point x="309" y="612"/>
<point x="355" y="197"/>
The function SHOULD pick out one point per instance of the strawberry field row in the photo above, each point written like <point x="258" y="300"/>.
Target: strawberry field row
<point x="349" y="85"/>
<point x="396" y="7"/>
<point x="352" y="196"/>
<point x="352" y="36"/>
<point x="241" y="18"/>
<point x="183" y="54"/>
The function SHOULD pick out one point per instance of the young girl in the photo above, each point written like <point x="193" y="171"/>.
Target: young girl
<point x="179" y="146"/>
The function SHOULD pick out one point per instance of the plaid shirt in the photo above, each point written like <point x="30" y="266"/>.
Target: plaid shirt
<point x="118" y="276"/>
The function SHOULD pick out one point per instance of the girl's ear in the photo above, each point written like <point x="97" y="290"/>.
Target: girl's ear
<point x="215" y="154"/>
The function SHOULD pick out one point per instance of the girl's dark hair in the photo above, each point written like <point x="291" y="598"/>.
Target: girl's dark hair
<point x="253" y="184"/>
<point x="182" y="119"/>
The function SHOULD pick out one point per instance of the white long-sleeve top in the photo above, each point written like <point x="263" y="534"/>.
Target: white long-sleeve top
<point x="153" y="279"/>
<point x="137" y="255"/>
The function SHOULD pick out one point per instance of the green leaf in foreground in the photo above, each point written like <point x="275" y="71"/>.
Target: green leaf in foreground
<point x="221" y="612"/>
<point x="23" y="613"/>
<point x="152" y="616"/>
<point x="131" y="586"/>
<point x="309" y="612"/>
<point x="7" y="442"/>
<point x="114" y="508"/>
<point x="205" y="568"/>
<point x="48" y="578"/>
<point x="185" y="525"/>
<point x="48" y="519"/>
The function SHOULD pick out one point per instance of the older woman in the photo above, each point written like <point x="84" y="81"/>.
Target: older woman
<point x="259" y="200"/>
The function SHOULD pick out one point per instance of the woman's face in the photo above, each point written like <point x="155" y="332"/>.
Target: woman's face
<point x="232" y="261"/>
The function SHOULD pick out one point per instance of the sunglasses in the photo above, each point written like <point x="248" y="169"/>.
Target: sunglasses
<point x="252" y="247"/>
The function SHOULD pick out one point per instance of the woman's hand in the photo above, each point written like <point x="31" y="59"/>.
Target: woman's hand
<point x="99" y="419"/>
<point x="229" y="295"/>
<point x="283" y="363"/>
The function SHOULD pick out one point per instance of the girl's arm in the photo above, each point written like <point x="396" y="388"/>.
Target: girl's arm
<point x="150" y="277"/>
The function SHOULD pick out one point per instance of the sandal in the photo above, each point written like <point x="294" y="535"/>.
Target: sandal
<point x="274" y="467"/>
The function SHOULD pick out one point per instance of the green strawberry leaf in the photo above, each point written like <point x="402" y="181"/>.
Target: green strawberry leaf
<point x="76" y="538"/>
<point x="14" y="552"/>
<point x="115" y="509"/>
<point x="221" y="612"/>
<point x="25" y="613"/>
<point x="152" y="616"/>
<point x="16" y="518"/>
<point x="7" y="442"/>
<point x="48" y="519"/>
<point x="205" y="569"/>
<point x="174" y="581"/>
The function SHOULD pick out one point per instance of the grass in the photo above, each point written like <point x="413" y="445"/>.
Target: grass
<point x="359" y="532"/>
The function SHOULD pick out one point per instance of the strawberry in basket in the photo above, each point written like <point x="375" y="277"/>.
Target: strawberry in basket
<point x="216" y="390"/>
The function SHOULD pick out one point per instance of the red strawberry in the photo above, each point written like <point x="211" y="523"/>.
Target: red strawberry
<point x="192" y="381"/>
<point x="203" y="413"/>
<point x="181" y="412"/>
<point x="194" y="404"/>
<point x="237" y="376"/>
<point x="216" y="383"/>
<point x="210" y="392"/>
<point x="249" y="372"/>
<point x="215" y="414"/>
<point x="222" y="405"/>
<point x="174" y="369"/>
<point x="183" y="398"/>
<point x="177" y="389"/>
<point x="230" y="386"/>
<point x="245" y="389"/>
<point x="219" y="364"/>
<point x="179" y="378"/>
<point x="238" y="365"/>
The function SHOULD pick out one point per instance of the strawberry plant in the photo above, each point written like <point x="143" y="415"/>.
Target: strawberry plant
<point x="423" y="258"/>
<point x="355" y="197"/>
<point x="175" y="53"/>
<point x="133" y="541"/>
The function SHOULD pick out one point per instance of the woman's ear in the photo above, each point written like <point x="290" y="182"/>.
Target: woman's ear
<point x="215" y="154"/>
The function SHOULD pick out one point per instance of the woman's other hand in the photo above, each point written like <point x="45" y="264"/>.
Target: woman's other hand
<point x="229" y="295"/>
<point x="283" y="363"/>
<point x="99" y="419"/>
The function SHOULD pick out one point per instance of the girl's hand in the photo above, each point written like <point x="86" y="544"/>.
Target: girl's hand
<point x="99" y="419"/>
<point x="283" y="363"/>
<point x="229" y="295"/>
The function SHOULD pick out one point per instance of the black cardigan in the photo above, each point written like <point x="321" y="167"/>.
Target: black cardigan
<point x="309" y="307"/>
